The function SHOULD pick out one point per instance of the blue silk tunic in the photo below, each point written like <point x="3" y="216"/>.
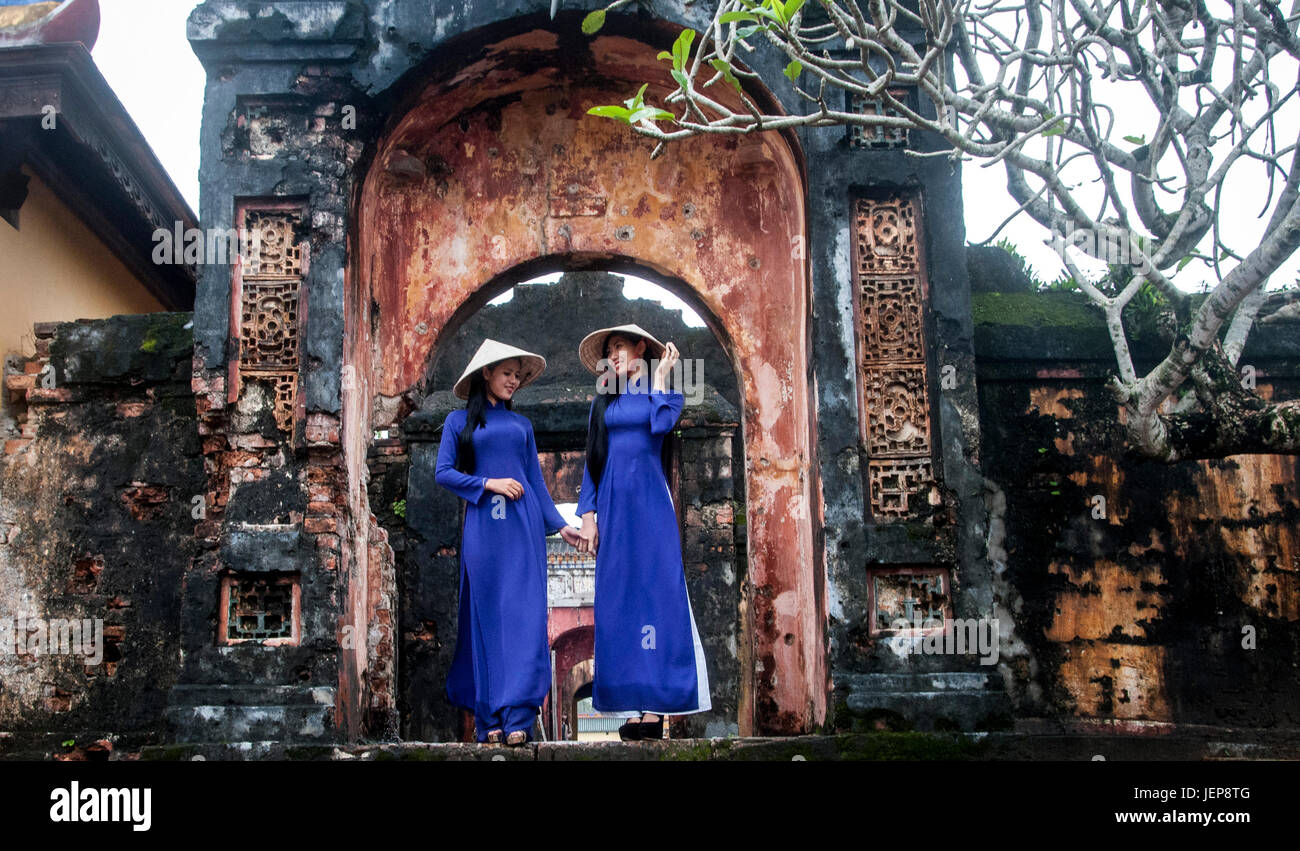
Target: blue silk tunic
<point x="502" y="657"/>
<point x="648" y="655"/>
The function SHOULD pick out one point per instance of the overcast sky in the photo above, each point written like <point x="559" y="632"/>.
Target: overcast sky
<point x="143" y="53"/>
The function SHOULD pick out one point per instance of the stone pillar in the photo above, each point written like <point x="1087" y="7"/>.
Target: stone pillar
<point x="429" y="583"/>
<point x="286" y="627"/>
<point x="710" y="513"/>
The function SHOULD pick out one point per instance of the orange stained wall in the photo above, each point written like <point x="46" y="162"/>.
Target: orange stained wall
<point x="1230" y="516"/>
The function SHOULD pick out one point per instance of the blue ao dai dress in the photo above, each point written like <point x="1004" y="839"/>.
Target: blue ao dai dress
<point x="648" y="655"/>
<point x="502" y="657"/>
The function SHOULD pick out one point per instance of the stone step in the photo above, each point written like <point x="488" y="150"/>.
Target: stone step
<point x="222" y="694"/>
<point x="235" y="723"/>
<point x="909" y="682"/>
<point x="964" y="700"/>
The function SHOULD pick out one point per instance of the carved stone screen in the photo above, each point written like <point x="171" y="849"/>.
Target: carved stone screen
<point x="270" y="287"/>
<point x="876" y="137"/>
<point x="908" y="599"/>
<point x="891" y="355"/>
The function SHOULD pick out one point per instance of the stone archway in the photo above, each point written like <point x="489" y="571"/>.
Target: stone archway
<point x="497" y="167"/>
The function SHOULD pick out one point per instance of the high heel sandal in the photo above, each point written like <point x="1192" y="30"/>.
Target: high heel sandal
<point x="515" y="738"/>
<point x="651" y="730"/>
<point x="630" y="732"/>
<point x="493" y="737"/>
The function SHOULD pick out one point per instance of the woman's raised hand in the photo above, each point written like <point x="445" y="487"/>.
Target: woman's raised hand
<point x="665" y="367"/>
<point x="508" y="488"/>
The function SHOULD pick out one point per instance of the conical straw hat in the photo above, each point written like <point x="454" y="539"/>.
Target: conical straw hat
<point x="591" y="349"/>
<point x="491" y="352"/>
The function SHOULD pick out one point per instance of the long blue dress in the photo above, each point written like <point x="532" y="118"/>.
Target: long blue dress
<point x="648" y="655"/>
<point x="502" y="663"/>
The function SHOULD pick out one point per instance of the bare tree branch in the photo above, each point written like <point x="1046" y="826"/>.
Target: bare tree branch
<point x="1043" y="89"/>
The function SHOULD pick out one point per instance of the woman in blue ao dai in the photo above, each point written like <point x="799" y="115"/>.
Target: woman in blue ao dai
<point x="648" y="657"/>
<point x="501" y="670"/>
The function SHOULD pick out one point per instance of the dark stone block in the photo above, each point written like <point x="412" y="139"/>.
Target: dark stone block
<point x="260" y="550"/>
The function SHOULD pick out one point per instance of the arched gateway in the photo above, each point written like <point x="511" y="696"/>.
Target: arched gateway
<point x="402" y="168"/>
<point x="491" y="164"/>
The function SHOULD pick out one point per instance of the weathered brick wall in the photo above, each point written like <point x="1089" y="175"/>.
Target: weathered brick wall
<point x="1180" y="601"/>
<point x="712" y="535"/>
<point x="97" y="519"/>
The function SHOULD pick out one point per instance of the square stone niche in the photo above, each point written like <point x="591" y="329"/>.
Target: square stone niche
<point x="260" y="608"/>
<point x="908" y="600"/>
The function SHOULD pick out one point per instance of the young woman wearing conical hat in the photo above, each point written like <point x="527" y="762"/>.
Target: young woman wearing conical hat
<point x="501" y="670"/>
<point x="648" y="658"/>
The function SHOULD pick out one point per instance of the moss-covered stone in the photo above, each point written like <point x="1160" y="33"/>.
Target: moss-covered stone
<point x="1039" y="325"/>
<point x="1039" y="310"/>
<point x="150" y="346"/>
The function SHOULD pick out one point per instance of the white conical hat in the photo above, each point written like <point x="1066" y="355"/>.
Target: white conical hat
<point x="592" y="348"/>
<point x="491" y="352"/>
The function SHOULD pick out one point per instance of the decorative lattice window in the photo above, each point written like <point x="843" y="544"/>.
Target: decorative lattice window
<point x="908" y="599"/>
<point x="877" y="137"/>
<point x="269" y="309"/>
<point x="269" y="325"/>
<point x="895" y="385"/>
<point x="259" y="607"/>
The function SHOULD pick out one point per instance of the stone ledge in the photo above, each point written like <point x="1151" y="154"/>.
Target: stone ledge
<point x="1200" y="744"/>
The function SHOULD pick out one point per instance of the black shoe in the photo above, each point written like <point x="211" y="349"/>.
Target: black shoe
<point x="630" y="732"/>
<point x="650" y="730"/>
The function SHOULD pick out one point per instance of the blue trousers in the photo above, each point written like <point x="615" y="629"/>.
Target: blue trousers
<point x="509" y="719"/>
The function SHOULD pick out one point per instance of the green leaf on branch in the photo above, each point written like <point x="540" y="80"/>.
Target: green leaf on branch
<point x="593" y="22"/>
<point x="769" y="9"/>
<point x="737" y="16"/>
<point x="619" y="113"/>
<point x="634" y="111"/>
<point x="682" y="49"/>
<point x="1136" y="140"/>
<point x="1056" y="129"/>
<point x="1182" y="264"/>
<point x="725" y="69"/>
<point x="793" y="70"/>
<point x="637" y="100"/>
<point x="652" y="113"/>
<point x="632" y="116"/>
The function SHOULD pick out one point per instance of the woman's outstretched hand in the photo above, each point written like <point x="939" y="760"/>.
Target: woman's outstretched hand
<point x="665" y="367"/>
<point x="572" y="537"/>
<point x="588" y="537"/>
<point x="508" y="488"/>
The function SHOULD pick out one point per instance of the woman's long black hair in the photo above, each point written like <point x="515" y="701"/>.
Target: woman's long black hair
<point x="474" y="418"/>
<point x="598" y="435"/>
